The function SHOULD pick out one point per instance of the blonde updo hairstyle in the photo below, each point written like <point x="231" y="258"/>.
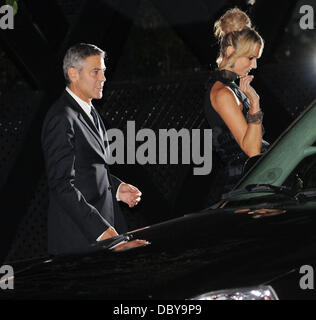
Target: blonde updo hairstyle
<point x="234" y="29"/>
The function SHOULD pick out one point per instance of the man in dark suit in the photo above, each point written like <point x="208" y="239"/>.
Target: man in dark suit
<point x="83" y="204"/>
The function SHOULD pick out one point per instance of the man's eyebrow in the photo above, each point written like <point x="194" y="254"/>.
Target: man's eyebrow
<point x="97" y="68"/>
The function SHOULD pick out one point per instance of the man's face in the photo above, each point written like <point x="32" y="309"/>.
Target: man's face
<point x="87" y="83"/>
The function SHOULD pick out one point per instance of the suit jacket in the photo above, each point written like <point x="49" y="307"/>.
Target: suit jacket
<point x="82" y="201"/>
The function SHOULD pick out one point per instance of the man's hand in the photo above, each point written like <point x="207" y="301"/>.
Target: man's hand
<point x="122" y="246"/>
<point x="129" y="194"/>
<point x="107" y="234"/>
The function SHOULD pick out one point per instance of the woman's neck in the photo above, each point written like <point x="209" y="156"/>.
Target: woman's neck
<point x="228" y="74"/>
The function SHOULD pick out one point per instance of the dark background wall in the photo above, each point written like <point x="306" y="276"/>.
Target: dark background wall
<point x="160" y="52"/>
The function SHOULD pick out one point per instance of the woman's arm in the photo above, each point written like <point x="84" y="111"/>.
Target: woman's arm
<point x="247" y="135"/>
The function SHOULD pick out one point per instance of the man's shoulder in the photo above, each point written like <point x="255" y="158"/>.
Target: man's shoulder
<point x="61" y="113"/>
<point x="63" y="106"/>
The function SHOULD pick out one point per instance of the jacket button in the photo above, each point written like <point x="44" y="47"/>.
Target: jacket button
<point x="109" y="188"/>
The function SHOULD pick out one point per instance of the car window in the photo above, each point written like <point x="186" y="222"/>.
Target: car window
<point x="304" y="175"/>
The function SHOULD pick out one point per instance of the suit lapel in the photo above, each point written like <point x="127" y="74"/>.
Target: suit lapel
<point x="87" y="121"/>
<point x="90" y="126"/>
<point x="105" y="140"/>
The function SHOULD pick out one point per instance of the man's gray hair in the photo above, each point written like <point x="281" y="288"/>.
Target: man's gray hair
<point x="76" y="55"/>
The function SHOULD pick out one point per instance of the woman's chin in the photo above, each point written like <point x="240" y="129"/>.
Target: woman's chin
<point x="244" y="74"/>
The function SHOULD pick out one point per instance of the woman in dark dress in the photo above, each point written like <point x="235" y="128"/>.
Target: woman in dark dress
<point x="233" y="112"/>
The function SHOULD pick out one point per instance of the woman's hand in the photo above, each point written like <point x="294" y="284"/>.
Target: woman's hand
<point x="250" y="92"/>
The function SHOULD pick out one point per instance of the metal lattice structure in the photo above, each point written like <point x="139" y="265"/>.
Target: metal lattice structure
<point x="167" y="104"/>
<point x="16" y="113"/>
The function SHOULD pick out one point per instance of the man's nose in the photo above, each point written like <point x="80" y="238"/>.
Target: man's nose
<point x="102" y="77"/>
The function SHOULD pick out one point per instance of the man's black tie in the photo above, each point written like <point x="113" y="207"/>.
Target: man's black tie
<point x="95" y="117"/>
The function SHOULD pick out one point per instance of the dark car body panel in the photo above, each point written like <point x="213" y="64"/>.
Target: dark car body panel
<point x="188" y="256"/>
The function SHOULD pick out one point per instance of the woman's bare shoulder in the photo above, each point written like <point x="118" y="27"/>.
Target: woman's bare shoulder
<point x="222" y="96"/>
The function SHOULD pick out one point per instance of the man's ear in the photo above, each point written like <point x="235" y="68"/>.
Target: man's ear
<point x="229" y="51"/>
<point x="73" y="74"/>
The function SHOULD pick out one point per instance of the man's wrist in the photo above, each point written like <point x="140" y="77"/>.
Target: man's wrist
<point x="117" y="192"/>
<point x="110" y="232"/>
